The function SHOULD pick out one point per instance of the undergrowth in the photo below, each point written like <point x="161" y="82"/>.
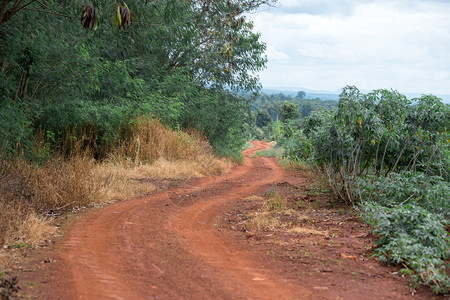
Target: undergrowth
<point x="409" y="212"/>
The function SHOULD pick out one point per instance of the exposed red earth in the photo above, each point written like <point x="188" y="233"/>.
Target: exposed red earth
<point x="175" y="245"/>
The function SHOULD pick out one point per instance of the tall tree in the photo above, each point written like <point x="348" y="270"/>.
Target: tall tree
<point x="289" y="111"/>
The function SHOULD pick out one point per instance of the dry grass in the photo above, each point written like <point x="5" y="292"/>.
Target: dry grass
<point x="267" y="218"/>
<point x="253" y="198"/>
<point x="7" y="258"/>
<point x="34" y="229"/>
<point x="306" y="230"/>
<point x="199" y="166"/>
<point x="274" y="202"/>
<point x="261" y="221"/>
<point x="149" y="140"/>
<point x="273" y="208"/>
<point x="149" y="151"/>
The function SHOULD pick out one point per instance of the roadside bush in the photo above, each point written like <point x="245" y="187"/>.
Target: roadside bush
<point x="391" y="155"/>
<point x="28" y="190"/>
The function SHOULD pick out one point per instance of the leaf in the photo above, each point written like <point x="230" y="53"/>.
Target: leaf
<point x="118" y="17"/>
<point x="89" y="17"/>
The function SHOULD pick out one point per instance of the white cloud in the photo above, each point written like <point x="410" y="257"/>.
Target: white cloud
<point x="376" y="44"/>
<point x="273" y="54"/>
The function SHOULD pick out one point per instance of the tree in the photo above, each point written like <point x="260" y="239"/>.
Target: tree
<point x="263" y="118"/>
<point x="301" y="95"/>
<point x="177" y="58"/>
<point x="289" y="111"/>
<point x="213" y="40"/>
<point x="306" y="109"/>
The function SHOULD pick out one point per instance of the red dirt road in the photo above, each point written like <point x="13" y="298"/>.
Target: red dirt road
<point x="170" y="246"/>
<point x="165" y="246"/>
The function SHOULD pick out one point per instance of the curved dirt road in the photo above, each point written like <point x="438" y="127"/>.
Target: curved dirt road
<point x="166" y="246"/>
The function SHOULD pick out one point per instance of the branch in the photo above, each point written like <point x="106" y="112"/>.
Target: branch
<point x="25" y="5"/>
<point x="11" y="12"/>
<point x="3" y="10"/>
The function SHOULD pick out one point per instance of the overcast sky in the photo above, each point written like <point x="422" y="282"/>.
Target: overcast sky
<point x="328" y="44"/>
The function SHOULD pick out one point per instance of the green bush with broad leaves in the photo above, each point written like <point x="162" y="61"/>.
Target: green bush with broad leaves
<point x="414" y="237"/>
<point x="390" y="156"/>
<point x="430" y="192"/>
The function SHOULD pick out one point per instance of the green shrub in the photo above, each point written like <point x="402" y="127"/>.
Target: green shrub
<point x="392" y="155"/>
<point x="412" y="236"/>
<point x="429" y="192"/>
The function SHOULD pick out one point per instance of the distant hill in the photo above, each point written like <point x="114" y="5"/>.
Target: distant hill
<point x="310" y="94"/>
<point x="332" y="95"/>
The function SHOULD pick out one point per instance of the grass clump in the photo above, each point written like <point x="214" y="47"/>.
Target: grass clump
<point x="276" y="152"/>
<point x="267" y="218"/>
<point x="275" y="214"/>
<point x="274" y="201"/>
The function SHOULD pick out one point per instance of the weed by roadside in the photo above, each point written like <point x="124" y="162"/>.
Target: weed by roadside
<point x="271" y="152"/>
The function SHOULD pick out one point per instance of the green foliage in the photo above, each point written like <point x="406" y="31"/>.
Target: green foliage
<point x="429" y="192"/>
<point x="272" y="103"/>
<point x="15" y="132"/>
<point x="289" y="111"/>
<point x="301" y="95"/>
<point x="275" y="107"/>
<point x="275" y="151"/>
<point x="379" y="133"/>
<point x="412" y="236"/>
<point x="263" y="118"/>
<point x="9" y="287"/>
<point x="176" y="63"/>
<point x="391" y="155"/>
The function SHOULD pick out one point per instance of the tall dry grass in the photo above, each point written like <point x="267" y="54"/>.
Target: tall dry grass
<point x="148" y="140"/>
<point x="73" y="178"/>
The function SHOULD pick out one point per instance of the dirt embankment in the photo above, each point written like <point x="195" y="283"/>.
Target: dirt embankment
<point x="174" y="245"/>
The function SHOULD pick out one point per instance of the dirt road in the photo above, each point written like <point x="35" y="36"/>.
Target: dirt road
<point x="170" y="245"/>
<point x="166" y="246"/>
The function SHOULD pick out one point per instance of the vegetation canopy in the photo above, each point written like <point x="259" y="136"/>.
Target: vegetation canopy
<point x="67" y="64"/>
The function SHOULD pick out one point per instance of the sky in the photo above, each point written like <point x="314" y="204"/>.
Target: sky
<point x="327" y="44"/>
